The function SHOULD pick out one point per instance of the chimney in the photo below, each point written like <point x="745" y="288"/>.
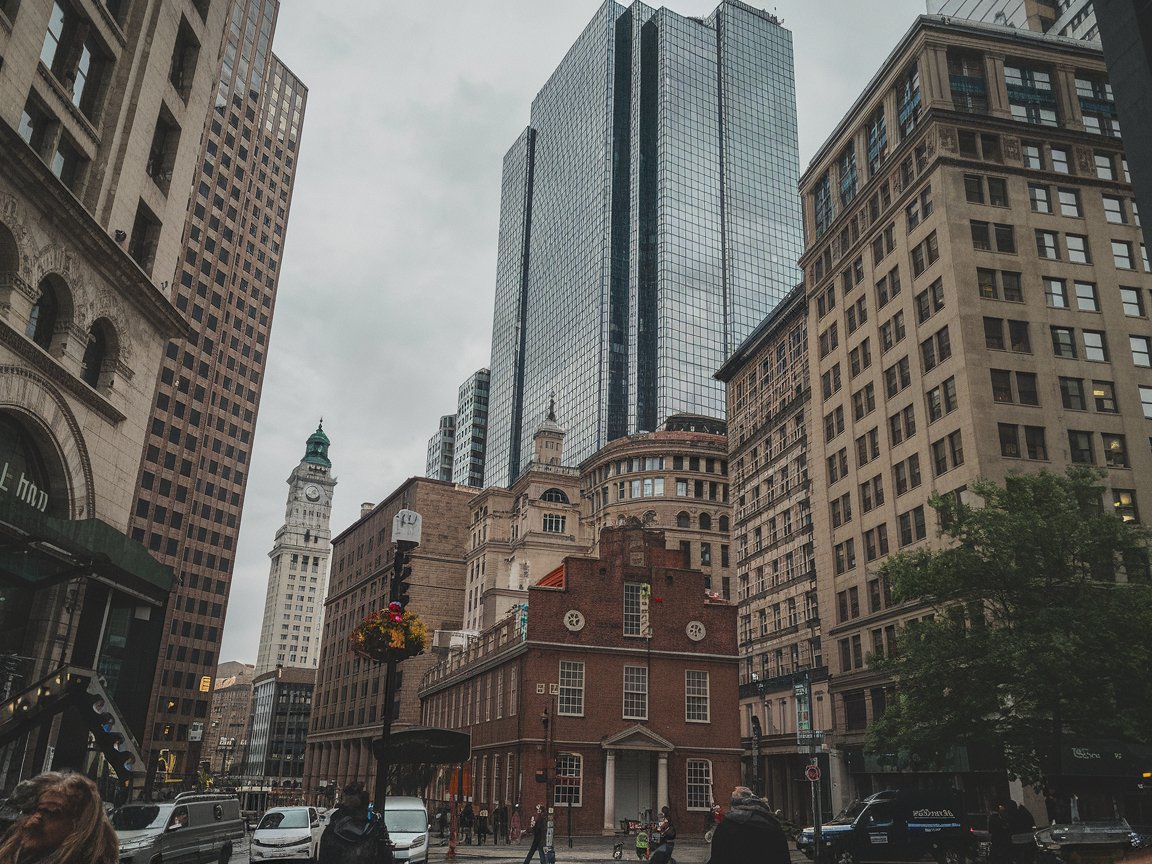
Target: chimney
<point x="366" y="508"/>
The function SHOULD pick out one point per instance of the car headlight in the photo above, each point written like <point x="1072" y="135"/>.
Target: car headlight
<point x="419" y="841"/>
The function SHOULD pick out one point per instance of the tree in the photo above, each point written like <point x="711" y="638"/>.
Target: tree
<point x="1036" y="627"/>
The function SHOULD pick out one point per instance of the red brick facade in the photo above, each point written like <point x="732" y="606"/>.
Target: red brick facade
<point x="567" y="666"/>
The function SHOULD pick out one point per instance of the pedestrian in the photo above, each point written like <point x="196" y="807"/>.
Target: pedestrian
<point x="467" y="820"/>
<point x="749" y="824"/>
<point x="442" y="815"/>
<point x="539" y="835"/>
<point x="63" y="821"/>
<point x="1000" y="834"/>
<point x="481" y="826"/>
<point x="353" y="834"/>
<point x="662" y="854"/>
<point x="1023" y="828"/>
<point x="515" y="827"/>
<point x="500" y="823"/>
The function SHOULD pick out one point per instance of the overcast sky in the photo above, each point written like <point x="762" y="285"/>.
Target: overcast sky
<point x="386" y="289"/>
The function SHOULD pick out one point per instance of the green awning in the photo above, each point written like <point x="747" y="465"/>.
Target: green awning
<point x="42" y="550"/>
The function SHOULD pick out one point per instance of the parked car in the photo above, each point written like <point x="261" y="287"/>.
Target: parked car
<point x="895" y="826"/>
<point x="285" y="833"/>
<point x="407" y="821"/>
<point x="191" y="829"/>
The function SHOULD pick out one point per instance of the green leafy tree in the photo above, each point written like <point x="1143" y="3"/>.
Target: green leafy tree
<point x="1037" y="627"/>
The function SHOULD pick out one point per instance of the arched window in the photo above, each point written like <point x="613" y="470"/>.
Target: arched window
<point x="724" y="524"/>
<point x="93" y="357"/>
<point x="683" y="520"/>
<point x="705" y="522"/>
<point x="554" y="495"/>
<point x="98" y="352"/>
<point x="42" y="318"/>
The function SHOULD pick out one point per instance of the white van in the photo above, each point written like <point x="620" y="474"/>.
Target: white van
<point x="407" y="821"/>
<point x="192" y="829"/>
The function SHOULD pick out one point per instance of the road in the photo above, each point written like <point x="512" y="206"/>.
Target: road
<point x="598" y="849"/>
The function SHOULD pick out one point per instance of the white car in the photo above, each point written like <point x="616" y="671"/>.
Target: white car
<point x="287" y="833"/>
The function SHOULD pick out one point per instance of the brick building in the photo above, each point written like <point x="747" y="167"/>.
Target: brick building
<point x="349" y="695"/>
<point x="563" y="691"/>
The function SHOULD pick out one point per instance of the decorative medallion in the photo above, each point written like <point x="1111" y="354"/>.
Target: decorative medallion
<point x="695" y="630"/>
<point x="574" y="620"/>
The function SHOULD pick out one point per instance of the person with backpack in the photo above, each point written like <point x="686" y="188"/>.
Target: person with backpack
<point x="354" y="835"/>
<point x="662" y="854"/>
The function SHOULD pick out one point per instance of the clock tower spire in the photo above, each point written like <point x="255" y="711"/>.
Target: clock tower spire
<point x="298" y="575"/>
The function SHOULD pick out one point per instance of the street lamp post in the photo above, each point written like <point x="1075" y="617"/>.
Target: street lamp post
<point x="406" y="526"/>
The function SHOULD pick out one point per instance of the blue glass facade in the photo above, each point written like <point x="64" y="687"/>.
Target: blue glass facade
<point x="649" y="221"/>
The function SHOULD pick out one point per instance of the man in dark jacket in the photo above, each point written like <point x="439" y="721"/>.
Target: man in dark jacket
<point x="539" y="835"/>
<point x="748" y="825"/>
<point x="353" y="836"/>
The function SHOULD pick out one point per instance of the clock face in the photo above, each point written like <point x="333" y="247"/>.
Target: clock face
<point x="312" y="492"/>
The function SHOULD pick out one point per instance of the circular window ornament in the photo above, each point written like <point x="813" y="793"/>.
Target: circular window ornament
<point x="695" y="630"/>
<point x="574" y="620"/>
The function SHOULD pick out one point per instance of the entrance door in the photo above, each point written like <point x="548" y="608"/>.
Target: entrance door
<point x="635" y="786"/>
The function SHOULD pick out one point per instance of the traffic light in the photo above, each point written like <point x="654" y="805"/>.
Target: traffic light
<point x="402" y="572"/>
<point x="108" y="730"/>
<point x="757" y="732"/>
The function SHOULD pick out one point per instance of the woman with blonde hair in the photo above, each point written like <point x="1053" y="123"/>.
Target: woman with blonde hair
<point x="64" y="824"/>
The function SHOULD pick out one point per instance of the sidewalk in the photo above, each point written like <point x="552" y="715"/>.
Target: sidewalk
<point x="688" y="851"/>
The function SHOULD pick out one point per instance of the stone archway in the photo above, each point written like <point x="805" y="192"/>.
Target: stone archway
<point x="30" y="401"/>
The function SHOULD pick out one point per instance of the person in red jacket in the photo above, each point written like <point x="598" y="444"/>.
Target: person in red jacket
<point x="749" y="824"/>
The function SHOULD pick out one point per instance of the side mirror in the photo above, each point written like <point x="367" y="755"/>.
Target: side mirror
<point x="315" y="823"/>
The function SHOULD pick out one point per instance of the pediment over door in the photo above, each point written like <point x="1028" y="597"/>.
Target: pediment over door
<point x="637" y="738"/>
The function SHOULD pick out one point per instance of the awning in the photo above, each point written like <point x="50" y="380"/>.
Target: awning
<point x="1105" y="758"/>
<point x="44" y="550"/>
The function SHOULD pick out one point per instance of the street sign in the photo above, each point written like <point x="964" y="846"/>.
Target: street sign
<point x="812" y="772"/>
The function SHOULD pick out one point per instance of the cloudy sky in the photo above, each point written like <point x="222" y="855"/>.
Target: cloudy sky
<point x="386" y="289"/>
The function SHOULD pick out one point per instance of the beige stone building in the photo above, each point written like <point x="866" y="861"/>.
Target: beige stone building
<point x="519" y="534"/>
<point x="978" y="301"/>
<point x="769" y="421"/>
<point x="674" y="479"/>
<point x="101" y="105"/>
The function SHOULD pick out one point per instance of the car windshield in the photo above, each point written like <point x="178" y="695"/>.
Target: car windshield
<point x="137" y="817"/>
<point x="284" y="819"/>
<point x="405" y="821"/>
<point x="847" y="817"/>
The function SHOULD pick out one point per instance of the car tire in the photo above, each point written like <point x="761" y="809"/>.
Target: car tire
<point x="225" y="854"/>
<point x="840" y="856"/>
<point x="951" y="855"/>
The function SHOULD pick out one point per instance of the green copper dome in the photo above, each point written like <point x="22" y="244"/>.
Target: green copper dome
<point x="316" y="451"/>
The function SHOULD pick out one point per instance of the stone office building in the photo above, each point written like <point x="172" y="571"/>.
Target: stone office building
<point x="93" y="98"/>
<point x="978" y="302"/>
<point x="769" y="418"/>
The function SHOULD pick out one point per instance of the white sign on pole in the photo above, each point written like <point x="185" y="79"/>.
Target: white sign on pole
<point x="406" y="527"/>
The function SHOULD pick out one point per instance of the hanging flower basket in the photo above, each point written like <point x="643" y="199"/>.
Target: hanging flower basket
<point x="389" y="634"/>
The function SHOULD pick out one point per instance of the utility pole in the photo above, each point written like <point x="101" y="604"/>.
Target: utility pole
<point x="406" y="537"/>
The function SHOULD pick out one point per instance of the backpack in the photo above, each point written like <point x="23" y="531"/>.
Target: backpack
<point x="351" y="839"/>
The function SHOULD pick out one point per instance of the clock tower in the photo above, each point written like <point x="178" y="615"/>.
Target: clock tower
<point x="298" y="576"/>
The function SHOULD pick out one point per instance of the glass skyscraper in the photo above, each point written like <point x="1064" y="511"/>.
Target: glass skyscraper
<point x="649" y="221"/>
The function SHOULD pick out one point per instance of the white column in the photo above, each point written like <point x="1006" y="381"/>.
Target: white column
<point x="610" y="792"/>
<point x="661" y="783"/>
